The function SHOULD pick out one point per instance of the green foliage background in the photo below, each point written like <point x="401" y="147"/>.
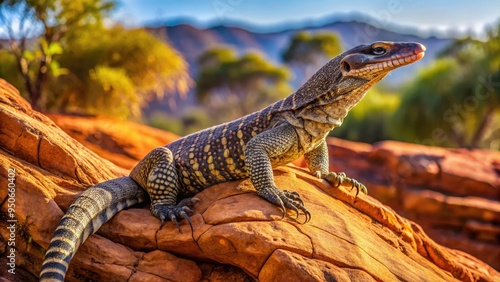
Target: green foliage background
<point x="368" y="121"/>
<point x="117" y="74"/>
<point x="77" y="64"/>
<point x="455" y="102"/>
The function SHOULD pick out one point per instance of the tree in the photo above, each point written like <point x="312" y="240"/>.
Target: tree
<point x="239" y="85"/>
<point x="86" y="66"/>
<point x="463" y="89"/>
<point x="308" y="52"/>
<point x="116" y="74"/>
<point x="51" y="20"/>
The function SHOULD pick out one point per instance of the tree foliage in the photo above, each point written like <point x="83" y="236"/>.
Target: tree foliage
<point x="118" y="73"/>
<point x="86" y="66"/>
<point x="50" y="21"/>
<point x="308" y="52"/>
<point x="455" y="102"/>
<point x="239" y="85"/>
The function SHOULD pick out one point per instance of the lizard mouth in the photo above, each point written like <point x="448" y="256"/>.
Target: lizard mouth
<point x="358" y="66"/>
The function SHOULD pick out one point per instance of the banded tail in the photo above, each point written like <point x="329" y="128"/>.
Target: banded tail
<point x="86" y="215"/>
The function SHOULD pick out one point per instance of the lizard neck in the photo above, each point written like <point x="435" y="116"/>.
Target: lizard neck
<point x="316" y="118"/>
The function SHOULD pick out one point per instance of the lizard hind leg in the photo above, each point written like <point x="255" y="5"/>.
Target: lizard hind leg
<point x="163" y="188"/>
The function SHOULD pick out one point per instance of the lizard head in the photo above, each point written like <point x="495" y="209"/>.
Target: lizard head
<point x="379" y="58"/>
<point x="357" y="70"/>
<point x="345" y="79"/>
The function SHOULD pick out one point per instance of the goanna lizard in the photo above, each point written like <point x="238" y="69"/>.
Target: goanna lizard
<point x="247" y="147"/>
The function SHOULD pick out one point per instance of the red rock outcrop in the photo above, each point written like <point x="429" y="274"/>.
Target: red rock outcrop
<point x="124" y="143"/>
<point x="237" y="235"/>
<point x="454" y="194"/>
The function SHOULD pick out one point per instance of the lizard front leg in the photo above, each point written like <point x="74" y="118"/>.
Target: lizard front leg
<point x="318" y="163"/>
<point x="258" y="153"/>
<point x="162" y="184"/>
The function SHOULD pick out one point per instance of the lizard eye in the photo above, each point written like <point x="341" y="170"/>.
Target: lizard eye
<point x="378" y="51"/>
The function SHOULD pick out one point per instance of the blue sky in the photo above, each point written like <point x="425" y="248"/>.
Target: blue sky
<point x="459" y="14"/>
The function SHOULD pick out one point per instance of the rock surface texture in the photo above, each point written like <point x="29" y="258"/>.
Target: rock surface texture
<point x="123" y="143"/>
<point x="237" y="235"/>
<point x="454" y="194"/>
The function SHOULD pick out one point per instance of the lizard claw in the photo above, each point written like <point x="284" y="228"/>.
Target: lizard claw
<point x="280" y="203"/>
<point x="174" y="220"/>
<point x="293" y="195"/>
<point x="340" y="178"/>
<point x="184" y="215"/>
<point x="179" y="211"/>
<point x="286" y="199"/>
<point x="356" y="184"/>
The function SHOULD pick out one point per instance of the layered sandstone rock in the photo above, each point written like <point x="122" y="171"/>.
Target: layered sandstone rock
<point x="237" y="235"/>
<point x="454" y="194"/>
<point x="124" y="143"/>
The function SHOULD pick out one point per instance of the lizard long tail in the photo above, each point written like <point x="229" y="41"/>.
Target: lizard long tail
<point x="86" y="215"/>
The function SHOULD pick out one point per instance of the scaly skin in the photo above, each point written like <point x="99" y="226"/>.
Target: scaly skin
<point x="247" y="147"/>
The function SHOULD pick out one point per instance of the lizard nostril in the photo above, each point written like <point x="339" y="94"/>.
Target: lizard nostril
<point x="345" y="66"/>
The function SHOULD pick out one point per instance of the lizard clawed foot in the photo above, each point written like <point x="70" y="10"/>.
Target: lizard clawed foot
<point x="181" y="210"/>
<point x="286" y="199"/>
<point x="341" y="179"/>
<point x="293" y="196"/>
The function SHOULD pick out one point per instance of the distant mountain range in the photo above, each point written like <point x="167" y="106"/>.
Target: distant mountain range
<point x="300" y="24"/>
<point x="192" y="41"/>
